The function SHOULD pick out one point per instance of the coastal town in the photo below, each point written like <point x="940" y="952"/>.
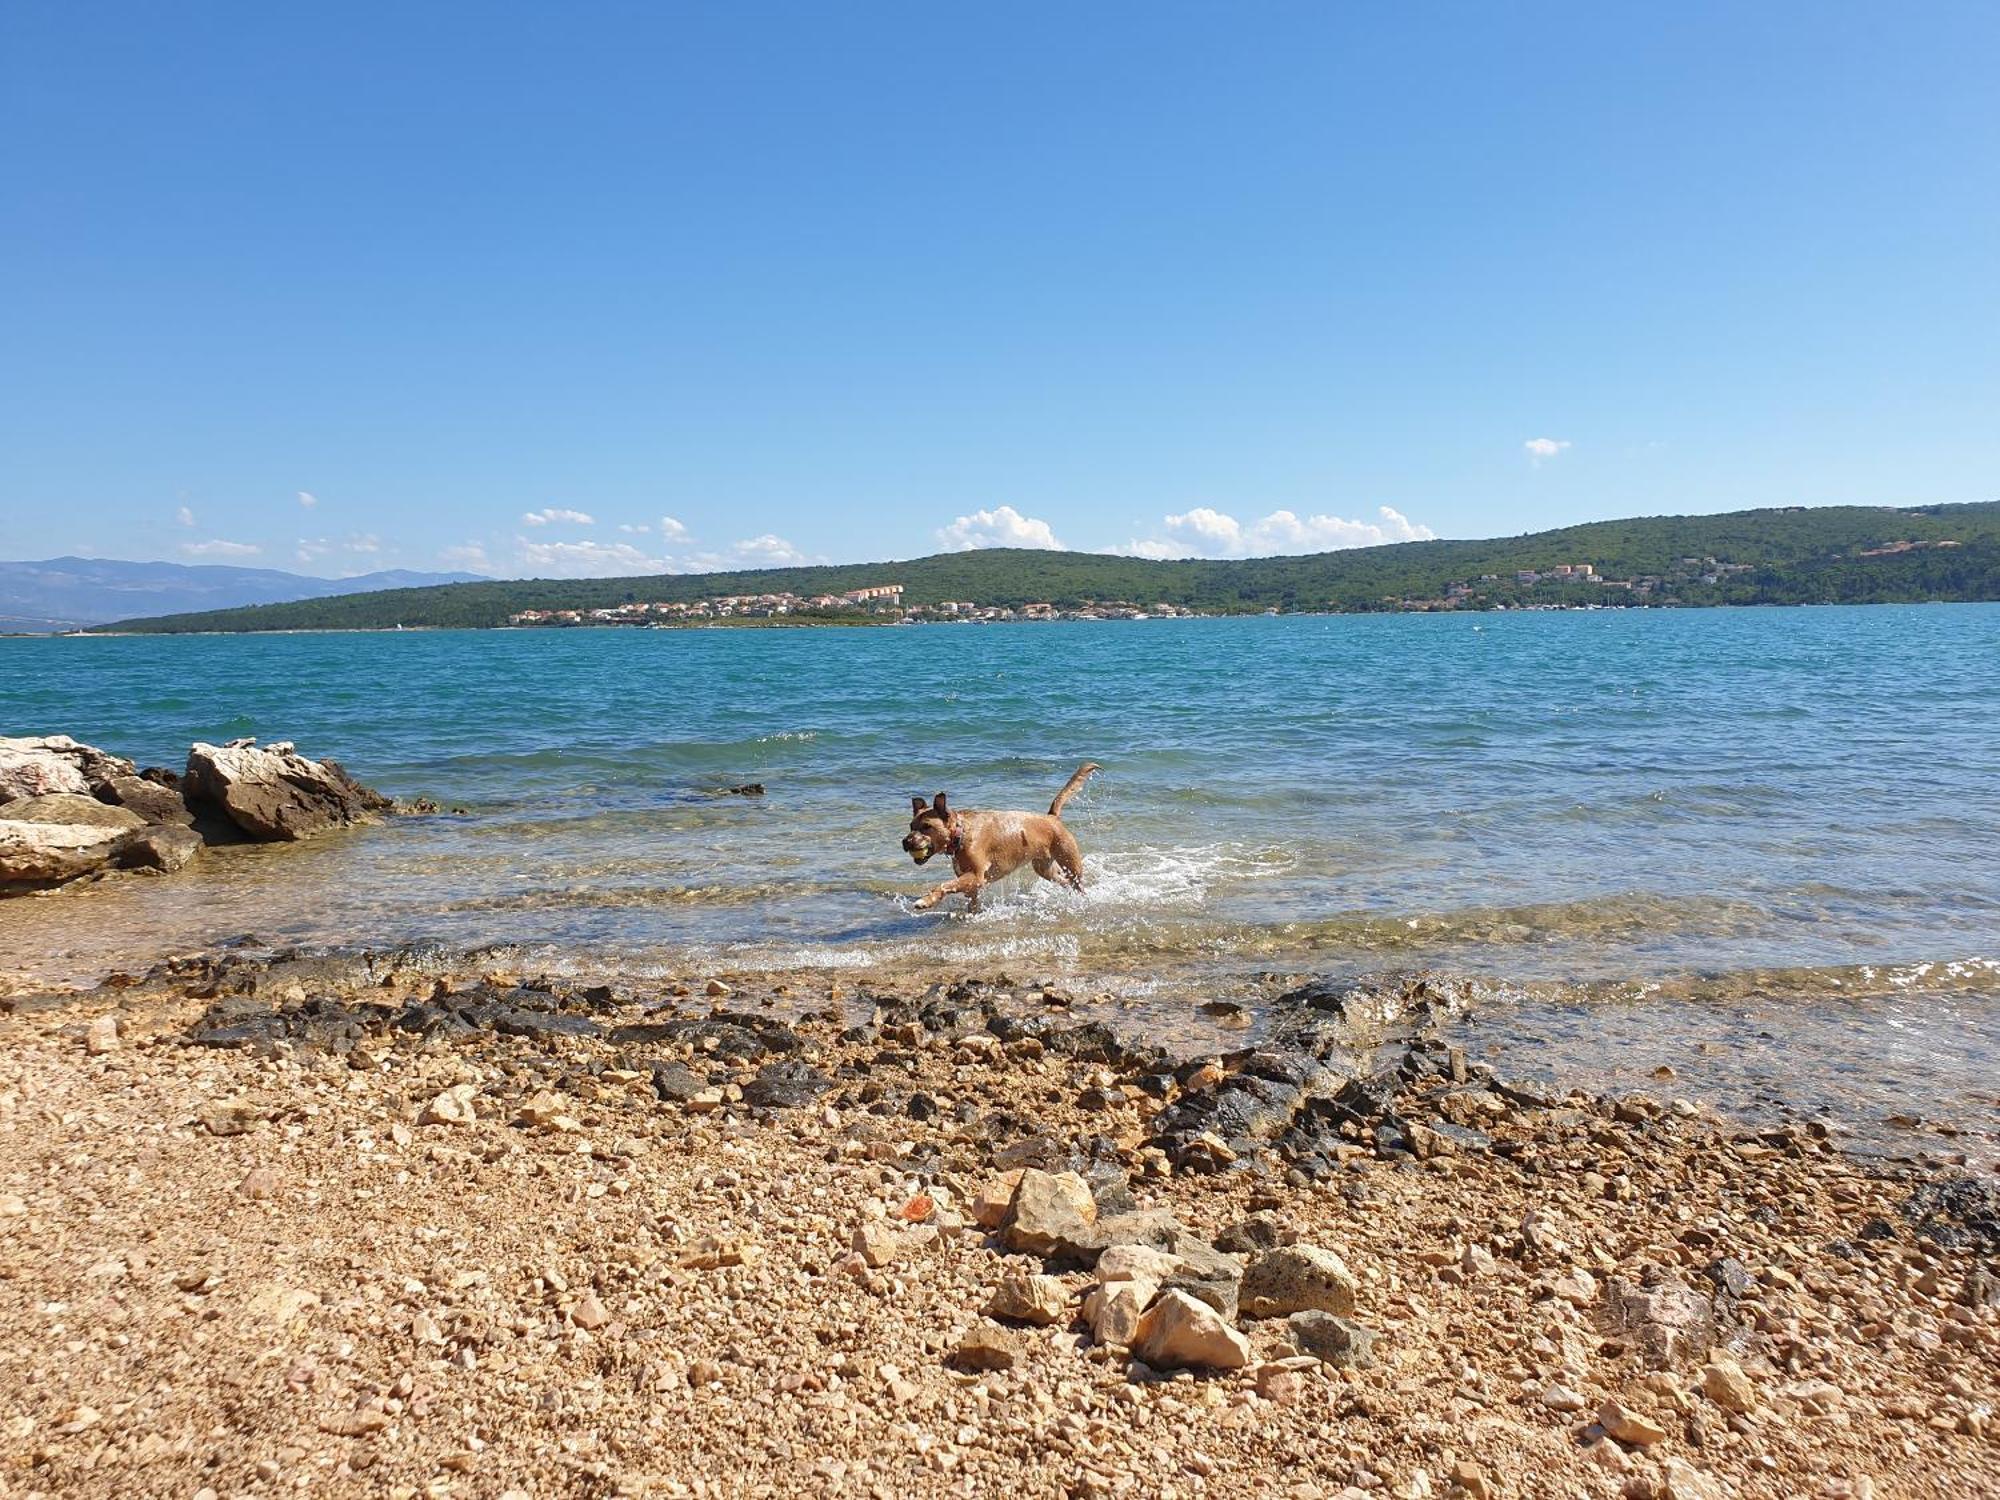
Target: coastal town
<point x="883" y="602"/>
<point x="1565" y="585"/>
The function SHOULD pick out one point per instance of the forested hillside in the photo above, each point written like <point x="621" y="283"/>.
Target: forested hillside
<point x="1789" y="556"/>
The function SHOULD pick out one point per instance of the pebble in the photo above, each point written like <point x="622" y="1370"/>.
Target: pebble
<point x="452" y="1107"/>
<point x="1280" y="1385"/>
<point x="1049" y="1211"/>
<point x="1339" y="1342"/>
<point x="260" y="1185"/>
<point x="1113" y="1310"/>
<point x="877" y="1244"/>
<point x="1178" y="1332"/>
<point x="1629" y="1426"/>
<point x="1562" y="1398"/>
<point x="1024" y="1298"/>
<point x="1681" y="1480"/>
<point x="987" y="1347"/>
<point x="101" y="1036"/>
<point x="589" y="1312"/>
<point x="1724" y="1383"/>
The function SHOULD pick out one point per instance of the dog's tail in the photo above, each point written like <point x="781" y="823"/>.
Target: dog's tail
<point x="1073" y="786"/>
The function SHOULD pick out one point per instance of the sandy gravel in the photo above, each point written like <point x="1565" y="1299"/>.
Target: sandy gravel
<point x="496" y="1264"/>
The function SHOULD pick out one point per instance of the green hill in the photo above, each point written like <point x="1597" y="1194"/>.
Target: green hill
<point x="1790" y="556"/>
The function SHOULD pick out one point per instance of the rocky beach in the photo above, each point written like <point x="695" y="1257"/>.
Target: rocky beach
<point x="404" y="1225"/>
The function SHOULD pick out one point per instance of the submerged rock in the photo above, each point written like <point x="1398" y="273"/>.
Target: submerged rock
<point x="165" y="848"/>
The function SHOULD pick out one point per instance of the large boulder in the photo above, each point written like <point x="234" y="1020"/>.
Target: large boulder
<point x="70" y="807"/>
<point x="1297" y="1278"/>
<point x="44" y="853"/>
<point x="151" y="800"/>
<point x="274" y="793"/>
<point x="37" y="765"/>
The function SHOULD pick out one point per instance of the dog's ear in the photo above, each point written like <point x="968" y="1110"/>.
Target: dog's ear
<point x="917" y="806"/>
<point x="938" y="807"/>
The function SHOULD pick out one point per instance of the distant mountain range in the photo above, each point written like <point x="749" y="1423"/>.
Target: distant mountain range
<point x="1846" y="554"/>
<point x="67" y="593"/>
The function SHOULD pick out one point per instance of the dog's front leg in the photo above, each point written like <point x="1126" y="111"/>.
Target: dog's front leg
<point x="965" y="885"/>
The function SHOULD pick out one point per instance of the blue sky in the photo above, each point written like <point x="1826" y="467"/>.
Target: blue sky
<point x="607" y="288"/>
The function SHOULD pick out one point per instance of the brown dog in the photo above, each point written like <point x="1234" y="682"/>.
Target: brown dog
<point x="989" y="846"/>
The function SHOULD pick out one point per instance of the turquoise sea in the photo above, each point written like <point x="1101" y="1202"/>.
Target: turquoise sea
<point x="1755" y="846"/>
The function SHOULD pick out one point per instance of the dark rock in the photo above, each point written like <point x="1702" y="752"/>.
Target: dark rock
<point x="786" y="1085"/>
<point x="1529" y="1093"/>
<point x="736" y="1036"/>
<point x="1957" y="1213"/>
<point x="150" y="800"/>
<point x="676" y="1082"/>
<point x="517" y="1020"/>
<point x="1263" y="1231"/>
<point x="1464" y="1137"/>
<point x="921" y="1107"/>
<point x="1729" y="1276"/>
<point x="1340" y="1342"/>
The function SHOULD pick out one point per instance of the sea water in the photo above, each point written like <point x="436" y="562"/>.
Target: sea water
<point x="1756" y="847"/>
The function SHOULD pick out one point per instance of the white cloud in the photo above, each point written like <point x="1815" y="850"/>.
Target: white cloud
<point x="588" y="559"/>
<point x="551" y="514"/>
<point x="631" y="530"/>
<point x="1002" y="526"/>
<point x="311" y="549"/>
<point x="671" y="529"/>
<point x="1539" y="449"/>
<point x="766" y="551"/>
<point x="184" y="516"/>
<point x="366" y="542"/>
<point x="308" y="499"/>
<point x="1207" y="532"/>
<point x="220" y="548"/>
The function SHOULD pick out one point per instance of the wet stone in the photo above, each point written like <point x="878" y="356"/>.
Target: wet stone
<point x="786" y="1085"/>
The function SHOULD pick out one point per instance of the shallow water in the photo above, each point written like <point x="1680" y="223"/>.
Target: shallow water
<point x="1765" y="832"/>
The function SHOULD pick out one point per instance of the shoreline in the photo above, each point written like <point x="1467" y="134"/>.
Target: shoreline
<point x="1254" y="614"/>
<point x="378" y="1225"/>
